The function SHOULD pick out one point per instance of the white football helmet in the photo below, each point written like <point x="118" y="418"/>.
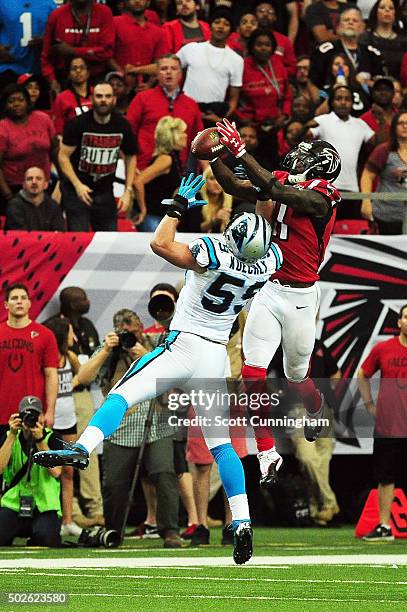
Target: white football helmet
<point x="248" y="236"/>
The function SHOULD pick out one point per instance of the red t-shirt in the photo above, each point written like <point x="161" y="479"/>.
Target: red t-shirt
<point x="390" y="359"/>
<point x="67" y="106"/>
<point x="136" y="44"/>
<point x="301" y="237"/>
<point x="24" y="145"/>
<point x="145" y="111"/>
<point x="24" y="353"/>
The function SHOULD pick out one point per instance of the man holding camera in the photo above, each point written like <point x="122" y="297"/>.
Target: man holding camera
<point x="121" y="449"/>
<point x="31" y="504"/>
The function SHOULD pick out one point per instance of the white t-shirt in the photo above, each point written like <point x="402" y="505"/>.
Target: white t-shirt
<point x="347" y="137"/>
<point x="210" y="71"/>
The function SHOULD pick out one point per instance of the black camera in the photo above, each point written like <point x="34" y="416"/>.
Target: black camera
<point x="161" y="307"/>
<point x="29" y="410"/>
<point x="99" y="536"/>
<point x="127" y="339"/>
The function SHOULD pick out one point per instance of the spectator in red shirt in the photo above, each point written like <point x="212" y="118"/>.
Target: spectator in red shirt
<point x="76" y="99"/>
<point x="279" y="14"/>
<point x="27" y="138"/>
<point x="267" y="19"/>
<point x="382" y="111"/>
<point x="266" y="95"/>
<point x="28" y="359"/>
<point x="148" y="107"/>
<point x="187" y="28"/>
<point x="390" y="412"/>
<point x="81" y="28"/>
<point x="138" y="42"/>
<point x="238" y="40"/>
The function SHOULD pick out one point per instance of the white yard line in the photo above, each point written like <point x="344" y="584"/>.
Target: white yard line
<point x="264" y="561"/>
<point x="216" y="578"/>
<point x="240" y="597"/>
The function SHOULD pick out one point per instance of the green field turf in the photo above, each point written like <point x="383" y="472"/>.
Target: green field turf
<point x="205" y="583"/>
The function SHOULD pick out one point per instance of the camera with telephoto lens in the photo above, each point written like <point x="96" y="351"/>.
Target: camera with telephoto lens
<point x="99" y="536"/>
<point x="126" y="339"/>
<point x="161" y="307"/>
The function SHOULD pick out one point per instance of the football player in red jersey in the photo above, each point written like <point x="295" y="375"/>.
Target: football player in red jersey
<point x="302" y="211"/>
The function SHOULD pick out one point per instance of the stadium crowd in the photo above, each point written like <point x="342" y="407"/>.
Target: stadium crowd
<point x="283" y="71"/>
<point x="99" y="104"/>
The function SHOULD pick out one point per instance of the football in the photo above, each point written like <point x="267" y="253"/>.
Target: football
<point x="207" y="145"/>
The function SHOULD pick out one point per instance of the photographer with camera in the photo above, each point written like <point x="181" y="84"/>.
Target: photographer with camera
<point x="121" y="450"/>
<point x="30" y="505"/>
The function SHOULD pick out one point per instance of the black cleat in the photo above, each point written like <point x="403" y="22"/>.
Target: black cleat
<point x="312" y="432"/>
<point x="243" y="549"/>
<point x="200" y="536"/>
<point x="70" y="454"/>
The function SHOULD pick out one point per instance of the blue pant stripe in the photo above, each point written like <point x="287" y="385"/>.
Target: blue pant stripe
<point x="143" y="361"/>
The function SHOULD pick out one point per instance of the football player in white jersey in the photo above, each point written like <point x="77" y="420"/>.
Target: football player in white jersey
<point x="222" y="276"/>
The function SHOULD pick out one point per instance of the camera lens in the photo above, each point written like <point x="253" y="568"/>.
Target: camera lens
<point x="127" y="339"/>
<point x="161" y="307"/>
<point x="109" y="538"/>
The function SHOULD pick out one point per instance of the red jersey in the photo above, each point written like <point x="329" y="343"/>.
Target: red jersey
<point x="24" y="353"/>
<point x="145" y="111"/>
<point x="137" y="44"/>
<point x="68" y="105"/>
<point x="390" y="358"/>
<point x="301" y="237"/>
<point x="91" y="40"/>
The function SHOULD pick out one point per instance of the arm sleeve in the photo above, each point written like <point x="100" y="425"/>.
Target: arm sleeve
<point x="50" y="356"/>
<point x="129" y="146"/>
<point x="57" y="220"/>
<point x="58" y="115"/>
<point x="15" y="219"/>
<point x="204" y="253"/>
<point x="372" y="363"/>
<point x="378" y="158"/>
<point x="236" y="76"/>
<point x="72" y="133"/>
<point x="134" y="114"/>
<point x="47" y="67"/>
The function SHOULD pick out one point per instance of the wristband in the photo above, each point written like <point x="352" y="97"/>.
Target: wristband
<point x="43" y="437"/>
<point x="178" y="207"/>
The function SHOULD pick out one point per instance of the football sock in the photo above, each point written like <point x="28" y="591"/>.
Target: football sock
<point x="233" y="480"/>
<point x="90" y="438"/>
<point x="104" y="422"/>
<point x="309" y="395"/>
<point x="254" y="382"/>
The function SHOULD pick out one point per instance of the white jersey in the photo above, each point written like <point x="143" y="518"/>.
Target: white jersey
<point x="209" y="303"/>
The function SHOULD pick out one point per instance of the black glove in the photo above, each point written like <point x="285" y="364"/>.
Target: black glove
<point x="176" y="207"/>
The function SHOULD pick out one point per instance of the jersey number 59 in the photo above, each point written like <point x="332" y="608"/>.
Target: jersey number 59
<point x="226" y="298"/>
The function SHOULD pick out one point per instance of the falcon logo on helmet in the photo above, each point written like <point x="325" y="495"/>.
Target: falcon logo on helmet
<point x="308" y="160"/>
<point x="249" y="237"/>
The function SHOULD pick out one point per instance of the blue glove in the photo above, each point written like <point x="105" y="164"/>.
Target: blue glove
<point x="189" y="188"/>
<point x="185" y="198"/>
